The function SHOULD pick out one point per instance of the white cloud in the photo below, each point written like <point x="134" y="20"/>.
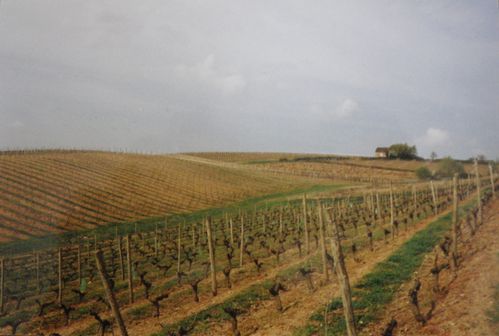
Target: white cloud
<point x="327" y="111"/>
<point x="435" y="137"/>
<point x="346" y="109"/>
<point x="207" y="73"/>
<point x="15" y="124"/>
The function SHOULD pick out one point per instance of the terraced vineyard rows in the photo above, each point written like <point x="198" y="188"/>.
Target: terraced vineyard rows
<point x="169" y="266"/>
<point x="336" y="171"/>
<point x="53" y="192"/>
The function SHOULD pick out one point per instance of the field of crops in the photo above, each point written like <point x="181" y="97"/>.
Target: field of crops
<point x="383" y="166"/>
<point x="248" y="157"/>
<point x="52" y="192"/>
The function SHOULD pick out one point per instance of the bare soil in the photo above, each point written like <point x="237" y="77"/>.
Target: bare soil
<point x="463" y="306"/>
<point x="263" y="319"/>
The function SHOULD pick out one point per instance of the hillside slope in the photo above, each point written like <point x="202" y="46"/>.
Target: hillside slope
<point x="50" y="192"/>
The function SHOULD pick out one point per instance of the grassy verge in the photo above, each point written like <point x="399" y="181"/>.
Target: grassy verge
<point x="377" y="288"/>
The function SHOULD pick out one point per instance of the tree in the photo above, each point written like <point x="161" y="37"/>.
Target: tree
<point x="423" y="173"/>
<point x="402" y="151"/>
<point x="433" y="156"/>
<point x="481" y="158"/>
<point x="448" y="167"/>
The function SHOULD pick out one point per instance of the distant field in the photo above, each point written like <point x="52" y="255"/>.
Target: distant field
<point x="337" y="171"/>
<point x="302" y="162"/>
<point x="409" y="165"/>
<point x="42" y="193"/>
<point x="252" y="157"/>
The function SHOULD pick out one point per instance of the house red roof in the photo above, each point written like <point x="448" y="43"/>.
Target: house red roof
<point x="382" y="149"/>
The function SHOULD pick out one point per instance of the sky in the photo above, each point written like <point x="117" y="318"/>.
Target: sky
<point x="166" y="76"/>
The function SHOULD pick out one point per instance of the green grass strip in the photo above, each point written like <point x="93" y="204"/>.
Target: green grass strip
<point x="378" y="288"/>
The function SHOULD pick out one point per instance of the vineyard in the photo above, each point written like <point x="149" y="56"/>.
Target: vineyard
<point x="235" y="271"/>
<point x="335" y="167"/>
<point x="53" y="192"/>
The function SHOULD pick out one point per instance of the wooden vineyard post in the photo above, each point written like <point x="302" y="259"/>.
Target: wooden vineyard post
<point x="178" y="249"/>
<point x="99" y="258"/>
<point x="37" y="261"/>
<point x="231" y="224"/>
<point x="204" y="231"/>
<point x="59" y="273"/>
<point x="241" y="252"/>
<point x="454" y="222"/>
<point x="280" y="221"/>
<point x="491" y="172"/>
<point x="129" y="268"/>
<point x="372" y="202"/>
<point x="193" y="228"/>
<point x="88" y="251"/>
<point x="392" y="219"/>
<point x="434" y="197"/>
<point x="2" y="283"/>
<point x="479" y="197"/>
<point x="305" y="224"/>
<point x="342" y="275"/>
<point x="156" y="240"/>
<point x="120" y="253"/>
<point x="211" y="252"/>
<point x="378" y="207"/>
<point x="78" y="257"/>
<point x="414" y="200"/>
<point x="323" y="242"/>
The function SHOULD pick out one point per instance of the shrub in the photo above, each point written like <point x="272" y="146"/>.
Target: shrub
<point x="423" y="173"/>
<point x="448" y="167"/>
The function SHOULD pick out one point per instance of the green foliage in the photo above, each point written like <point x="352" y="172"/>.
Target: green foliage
<point x="402" y="151"/>
<point x="140" y="313"/>
<point x="83" y="285"/>
<point x="22" y="315"/>
<point x="423" y="173"/>
<point x="447" y="167"/>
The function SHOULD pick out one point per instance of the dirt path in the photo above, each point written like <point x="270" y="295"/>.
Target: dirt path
<point x="299" y="304"/>
<point x="462" y="308"/>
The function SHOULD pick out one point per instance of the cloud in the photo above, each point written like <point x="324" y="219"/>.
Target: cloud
<point x="435" y="137"/>
<point x="326" y="110"/>
<point x="208" y="74"/>
<point x="347" y="108"/>
<point x="15" y="124"/>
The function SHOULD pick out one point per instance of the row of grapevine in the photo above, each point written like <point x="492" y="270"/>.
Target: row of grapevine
<point x="176" y="254"/>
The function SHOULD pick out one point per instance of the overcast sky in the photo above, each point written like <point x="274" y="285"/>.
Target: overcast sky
<point x="296" y="76"/>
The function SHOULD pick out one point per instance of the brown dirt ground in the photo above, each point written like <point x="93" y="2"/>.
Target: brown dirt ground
<point x="299" y="304"/>
<point x="462" y="306"/>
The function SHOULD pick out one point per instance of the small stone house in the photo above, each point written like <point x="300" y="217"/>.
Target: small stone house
<point x="381" y="152"/>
